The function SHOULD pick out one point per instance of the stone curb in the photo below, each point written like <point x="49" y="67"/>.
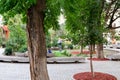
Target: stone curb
<point x="14" y="59"/>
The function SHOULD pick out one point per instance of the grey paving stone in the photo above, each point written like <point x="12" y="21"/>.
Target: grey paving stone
<point x="20" y="71"/>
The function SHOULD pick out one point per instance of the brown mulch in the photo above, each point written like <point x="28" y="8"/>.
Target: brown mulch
<point x="99" y="59"/>
<point x="97" y="76"/>
<point x="84" y="52"/>
<point x="75" y="52"/>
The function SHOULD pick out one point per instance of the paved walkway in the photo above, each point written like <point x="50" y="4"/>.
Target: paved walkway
<point x="17" y="71"/>
<point x="20" y="71"/>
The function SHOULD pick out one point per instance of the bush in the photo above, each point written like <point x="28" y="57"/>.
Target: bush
<point x="23" y="49"/>
<point x="70" y="46"/>
<point x="17" y="34"/>
<point x="8" y="51"/>
<point x="17" y="39"/>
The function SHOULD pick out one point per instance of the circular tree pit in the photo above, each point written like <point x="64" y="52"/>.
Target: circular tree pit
<point x="97" y="76"/>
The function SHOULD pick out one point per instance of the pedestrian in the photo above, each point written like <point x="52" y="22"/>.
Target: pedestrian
<point x="60" y="44"/>
<point x="49" y="50"/>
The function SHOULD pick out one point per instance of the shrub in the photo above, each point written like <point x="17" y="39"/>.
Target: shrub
<point x="23" y="49"/>
<point x="70" y="46"/>
<point x="8" y="51"/>
<point x="17" y="38"/>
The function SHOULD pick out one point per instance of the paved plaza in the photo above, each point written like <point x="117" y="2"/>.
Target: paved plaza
<point x="20" y="71"/>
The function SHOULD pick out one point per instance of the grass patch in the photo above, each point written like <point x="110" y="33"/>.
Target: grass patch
<point x="62" y="53"/>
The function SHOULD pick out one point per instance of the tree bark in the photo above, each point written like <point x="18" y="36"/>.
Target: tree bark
<point x="91" y="63"/>
<point x="100" y="53"/>
<point x="81" y="46"/>
<point x="36" y="41"/>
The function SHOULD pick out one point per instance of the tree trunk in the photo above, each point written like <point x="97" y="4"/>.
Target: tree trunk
<point x="91" y="63"/>
<point x="81" y="47"/>
<point x="93" y="47"/>
<point x="100" y="53"/>
<point x="36" y="42"/>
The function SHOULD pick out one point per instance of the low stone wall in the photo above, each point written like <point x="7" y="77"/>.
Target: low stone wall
<point x="113" y="54"/>
<point x="66" y="59"/>
<point x="49" y="60"/>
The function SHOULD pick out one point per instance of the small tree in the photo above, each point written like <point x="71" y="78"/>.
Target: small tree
<point x="85" y="16"/>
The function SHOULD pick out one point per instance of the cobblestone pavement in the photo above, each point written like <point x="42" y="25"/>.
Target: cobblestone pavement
<point x="20" y="71"/>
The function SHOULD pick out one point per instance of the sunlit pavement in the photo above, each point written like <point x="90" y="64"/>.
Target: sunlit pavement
<point x="20" y="71"/>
